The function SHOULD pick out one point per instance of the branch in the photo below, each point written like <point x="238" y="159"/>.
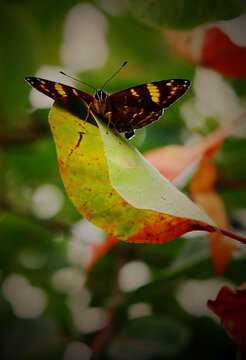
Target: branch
<point x="233" y="236"/>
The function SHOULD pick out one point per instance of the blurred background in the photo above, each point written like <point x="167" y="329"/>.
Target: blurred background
<point x="139" y="301"/>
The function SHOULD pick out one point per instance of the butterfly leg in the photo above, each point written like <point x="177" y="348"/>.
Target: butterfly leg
<point x="115" y="130"/>
<point x="89" y="109"/>
<point x="109" y="121"/>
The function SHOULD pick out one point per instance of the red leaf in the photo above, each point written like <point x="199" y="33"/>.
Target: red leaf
<point x="203" y="193"/>
<point x="173" y="160"/>
<point x="99" y="250"/>
<point x="230" y="306"/>
<point x="221" y="54"/>
<point x="210" y="47"/>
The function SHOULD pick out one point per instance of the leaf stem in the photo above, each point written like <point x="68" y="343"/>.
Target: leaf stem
<point x="233" y="236"/>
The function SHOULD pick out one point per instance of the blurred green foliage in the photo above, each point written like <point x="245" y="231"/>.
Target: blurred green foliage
<point x="30" y="36"/>
<point x="184" y="14"/>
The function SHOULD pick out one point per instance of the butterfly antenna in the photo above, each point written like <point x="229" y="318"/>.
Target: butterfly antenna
<point x="78" y="80"/>
<point x="114" y="74"/>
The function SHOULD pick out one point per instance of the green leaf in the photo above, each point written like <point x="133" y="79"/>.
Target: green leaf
<point x="184" y="14"/>
<point x="149" y="337"/>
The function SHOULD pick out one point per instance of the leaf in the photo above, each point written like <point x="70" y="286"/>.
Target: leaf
<point x="183" y="14"/>
<point x="99" y="250"/>
<point x="136" y="341"/>
<point x="230" y="306"/>
<point x="199" y="46"/>
<point x="141" y="185"/>
<point x="203" y="193"/>
<point x="85" y="174"/>
<point x="173" y="160"/>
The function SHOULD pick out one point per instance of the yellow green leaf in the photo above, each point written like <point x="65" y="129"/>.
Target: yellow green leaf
<point x="141" y="184"/>
<point x="90" y="180"/>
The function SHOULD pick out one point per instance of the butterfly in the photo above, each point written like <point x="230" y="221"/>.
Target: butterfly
<point x="126" y="110"/>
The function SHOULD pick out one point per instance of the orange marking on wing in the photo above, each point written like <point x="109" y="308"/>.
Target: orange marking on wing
<point x="59" y="89"/>
<point x="154" y="92"/>
<point x="75" y="92"/>
<point x="134" y="93"/>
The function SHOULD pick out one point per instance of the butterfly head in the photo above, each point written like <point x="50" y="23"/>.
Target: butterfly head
<point x="100" y="96"/>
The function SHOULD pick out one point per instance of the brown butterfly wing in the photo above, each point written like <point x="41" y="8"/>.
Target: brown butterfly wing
<point x="136" y="107"/>
<point x="57" y="90"/>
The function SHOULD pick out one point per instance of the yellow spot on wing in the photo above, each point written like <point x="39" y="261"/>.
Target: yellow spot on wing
<point x="134" y="93"/>
<point x="154" y="92"/>
<point x="152" y="89"/>
<point x="44" y="88"/>
<point x="59" y="89"/>
<point x="75" y="92"/>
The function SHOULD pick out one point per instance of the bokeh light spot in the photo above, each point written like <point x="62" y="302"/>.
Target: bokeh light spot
<point x="87" y="232"/>
<point x="76" y="302"/>
<point x="47" y="201"/>
<point x="194" y="294"/>
<point x="235" y="29"/>
<point x="84" y="45"/>
<point x="68" y="280"/>
<point x="133" y="275"/>
<point x="31" y="259"/>
<point x="77" y="350"/>
<point x="139" y="310"/>
<point x="27" y="301"/>
<point x="90" y="319"/>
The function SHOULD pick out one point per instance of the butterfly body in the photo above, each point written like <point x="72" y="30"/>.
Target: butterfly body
<point x="125" y="110"/>
<point x="99" y="104"/>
